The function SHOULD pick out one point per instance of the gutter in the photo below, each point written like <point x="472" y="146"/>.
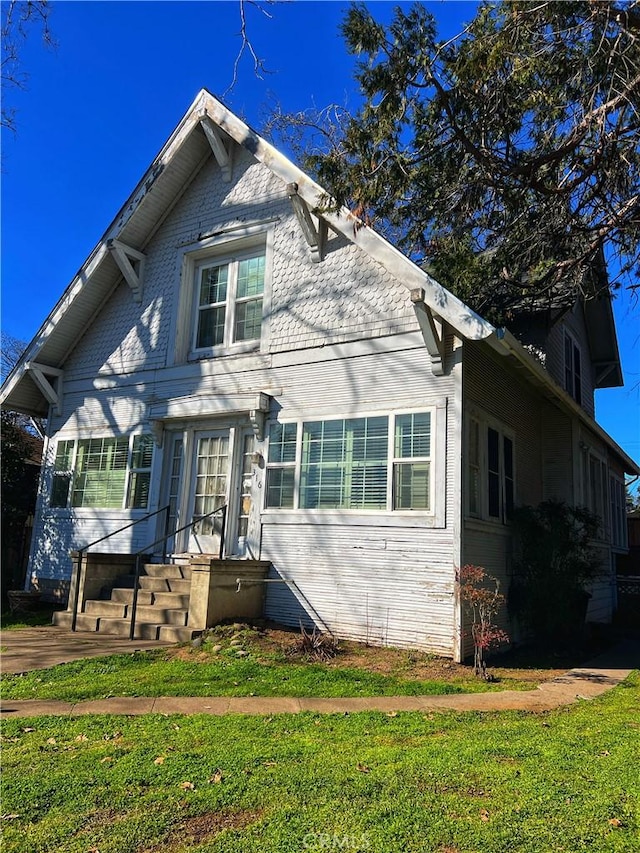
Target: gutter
<point x="505" y="344"/>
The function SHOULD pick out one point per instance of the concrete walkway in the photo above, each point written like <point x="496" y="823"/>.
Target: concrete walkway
<point x="598" y="676"/>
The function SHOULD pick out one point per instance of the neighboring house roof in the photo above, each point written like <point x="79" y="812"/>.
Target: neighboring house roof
<point x="163" y="184"/>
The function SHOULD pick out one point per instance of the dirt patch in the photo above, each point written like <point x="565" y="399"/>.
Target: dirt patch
<point x="277" y="644"/>
<point x="201" y="828"/>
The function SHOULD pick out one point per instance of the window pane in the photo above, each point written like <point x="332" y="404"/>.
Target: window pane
<point x="251" y="277"/>
<point x="210" y="327"/>
<point x="411" y="485"/>
<point x="248" y="320"/>
<point x="508" y="478"/>
<point x="413" y="435"/>
<point x="60" y="490"/>
<point x="344" y="464"/>
<point x="139" y="490"/>
<point x="280" y="483"/>
<point x="101" y="469"/>
<point x="213" y="285"/>
<point x="142" y="451"/>
<point x="282" y="442"/>
<point x="62" y="475"/>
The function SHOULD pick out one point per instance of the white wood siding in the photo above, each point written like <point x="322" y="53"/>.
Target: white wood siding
<point x="342" y="340"/>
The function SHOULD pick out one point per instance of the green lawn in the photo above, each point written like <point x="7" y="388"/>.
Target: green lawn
<point x="567" y="781"/>
<point x="153" y="674"/>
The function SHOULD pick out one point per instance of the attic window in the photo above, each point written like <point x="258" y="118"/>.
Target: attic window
<point x="228" y="300"/>
<point x="572" y="368"/>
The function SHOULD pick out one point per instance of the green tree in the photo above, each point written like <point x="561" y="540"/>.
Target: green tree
<point x="507" y="160"/>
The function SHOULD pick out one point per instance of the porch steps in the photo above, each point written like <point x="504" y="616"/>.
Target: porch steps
<point x="162" y="607"/>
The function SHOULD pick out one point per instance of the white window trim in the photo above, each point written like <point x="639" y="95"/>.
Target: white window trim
<point x="433" y="517"/>
<point x="232" y="242"/>
<point x="487" y="422"/>
<point x="128" y="471"/>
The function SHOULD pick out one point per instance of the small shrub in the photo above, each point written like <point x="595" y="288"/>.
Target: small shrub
<point x="481" y="605"/>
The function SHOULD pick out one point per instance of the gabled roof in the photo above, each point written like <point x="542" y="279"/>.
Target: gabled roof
<point x="206" y="124"/>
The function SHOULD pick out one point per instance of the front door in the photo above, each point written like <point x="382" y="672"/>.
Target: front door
<point x="209" y="490"/>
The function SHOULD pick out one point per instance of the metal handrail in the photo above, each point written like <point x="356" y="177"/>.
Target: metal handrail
<point x="134" y="602"/>
<point x="84" y="550"/>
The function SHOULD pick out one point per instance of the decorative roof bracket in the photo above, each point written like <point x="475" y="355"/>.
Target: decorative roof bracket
<point x="131" y="264"/>
<point x="49" y="381"/>
<point x="221" y="151"/>
<point x="433" y="338"/>
<point x="315" y="237"/>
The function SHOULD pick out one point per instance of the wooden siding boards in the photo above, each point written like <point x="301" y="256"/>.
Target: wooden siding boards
<point x="558" y="474"/>
<point x="394" y="590"/>
<point x="343" y="340"/>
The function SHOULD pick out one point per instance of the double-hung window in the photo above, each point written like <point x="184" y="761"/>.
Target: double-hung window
<point x="229" y="294"/>
<point x="490" y="471"/>
<point x="103" y="473"/>
<point x="380" y="462"/>
<point x="572" y="368"/>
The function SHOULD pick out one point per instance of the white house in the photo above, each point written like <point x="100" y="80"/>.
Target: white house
<point x="227" y="344"/>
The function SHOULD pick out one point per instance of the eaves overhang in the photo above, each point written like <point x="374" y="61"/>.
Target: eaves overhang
<point x="171" y="172"/>
<point x="504" y="343"/>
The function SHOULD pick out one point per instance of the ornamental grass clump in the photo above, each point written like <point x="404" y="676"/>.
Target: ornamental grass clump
<point x="481" y="603"/>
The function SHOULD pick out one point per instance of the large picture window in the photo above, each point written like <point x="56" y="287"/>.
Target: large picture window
<point x="229" y="300"/>
<point x="103" y="473"/>
<point x="378" y="462"/>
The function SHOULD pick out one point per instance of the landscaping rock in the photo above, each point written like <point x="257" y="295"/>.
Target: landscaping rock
<point x="217" y="648"/>
<point x="235" y="643"/>
<point x="241" y="653"/>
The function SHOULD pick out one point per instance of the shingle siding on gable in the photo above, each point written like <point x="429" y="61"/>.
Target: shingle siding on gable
<point x="345" y="297"/>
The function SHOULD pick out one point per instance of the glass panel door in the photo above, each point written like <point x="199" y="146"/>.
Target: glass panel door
<point x="209" y="490"/>
<point x="244" y="506"/>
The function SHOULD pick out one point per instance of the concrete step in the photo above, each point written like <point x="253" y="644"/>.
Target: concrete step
<point x="173" y="634"/>
<point x="166" y="570"/>
<point x="171" y="600"/>
<point x="161" y="615"/>
<point x="155" y="584"/>
<point x="181" y="585"/>
<point x="121" y="627"/>
<point x="113" y="609"/>
<point x="126" y="596"/>
<point x="84" y="621"/>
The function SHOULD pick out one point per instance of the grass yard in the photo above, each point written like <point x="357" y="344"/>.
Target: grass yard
<point x="568" y="780"/>
<point x="245" y="661"/>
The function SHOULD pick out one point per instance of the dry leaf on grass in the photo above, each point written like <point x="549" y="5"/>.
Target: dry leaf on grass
<point x="484" y="815"/>
<point x="187" y="786"/>
<point x="615" y="821"/>
<point x="217" y="777"/>
<point x="51" y="741"/>
<point x="159" y="760"/>
<point x="363" y="768"/>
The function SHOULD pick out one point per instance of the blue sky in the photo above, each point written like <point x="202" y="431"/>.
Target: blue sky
<point x="99" y="107"/>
